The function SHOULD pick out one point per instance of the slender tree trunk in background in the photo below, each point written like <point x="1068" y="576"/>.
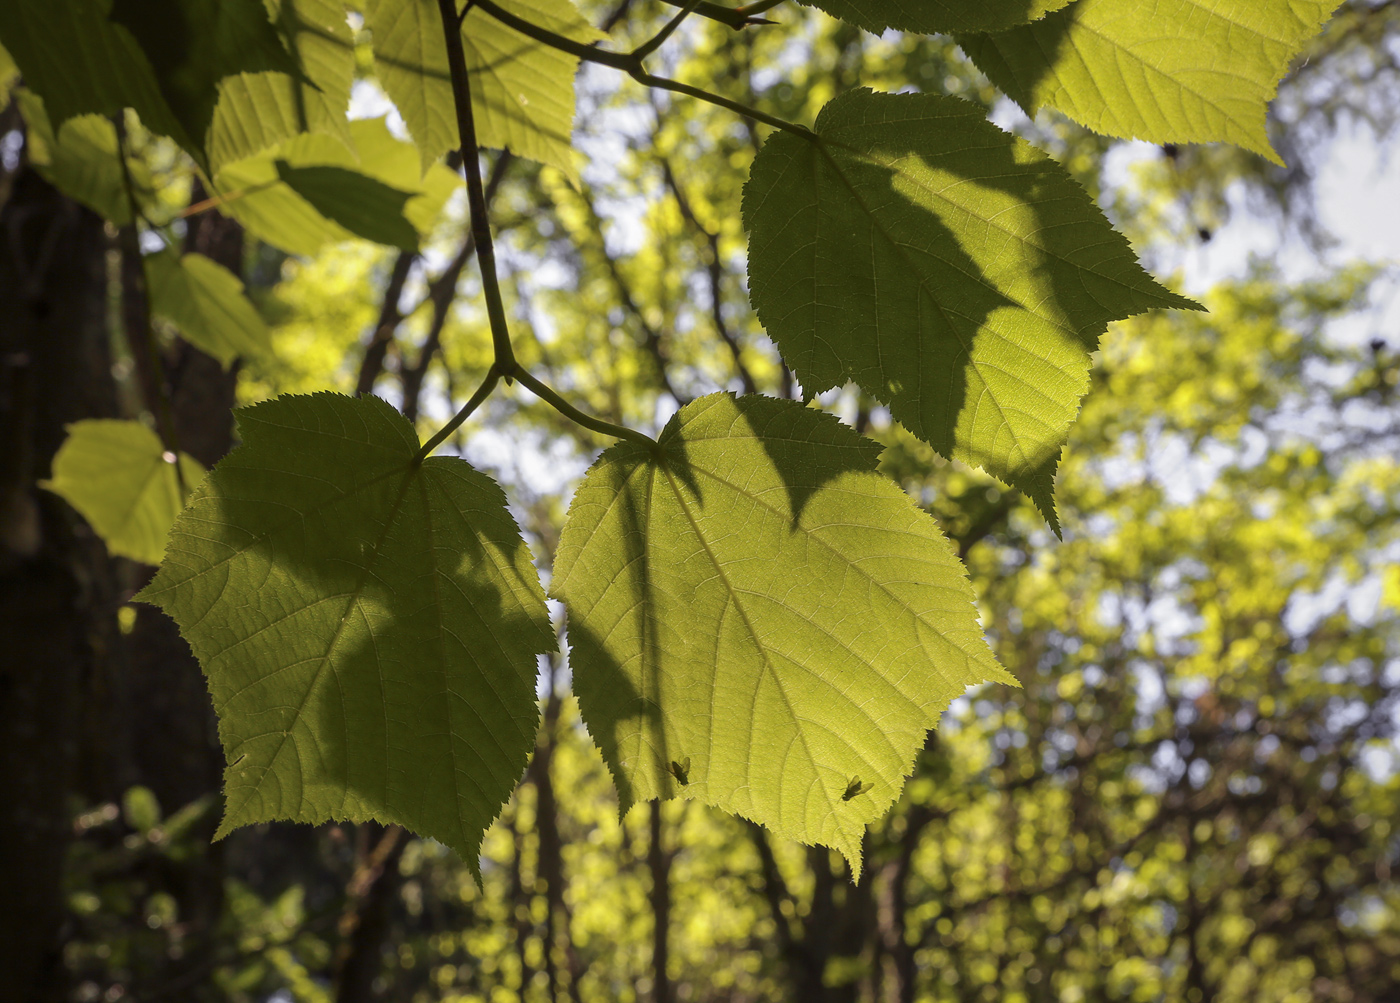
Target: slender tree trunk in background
<point x="366" y="925"/>
<point x="520" y="896"/>
<point x="551" y="867"/>
<point x="659" y="863"/>
<point x="56" y="582"/>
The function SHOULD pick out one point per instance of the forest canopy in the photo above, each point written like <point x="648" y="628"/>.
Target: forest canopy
<point x="574" y="456"/>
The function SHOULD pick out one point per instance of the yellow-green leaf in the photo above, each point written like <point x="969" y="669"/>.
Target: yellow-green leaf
<point x="522" y="90"/>
<point x="207" y="303"/>
<point x="258" y="198"/>
<point x="1172" y="71"/>
<point x="756" y="615"/>
<point x="123" y="482"/>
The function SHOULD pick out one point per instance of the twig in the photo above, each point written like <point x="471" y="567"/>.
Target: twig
<point x="736" y="17"/>
<point x="504" y="367"/>
<point x="390" y="316"/>
<point x="134" y="271"/>
<point x="651" y="337"/>
<point x="716" y="273"/>
<point x="441" y="292"/>
<point x="628" y="62"/>
<point x="476" y="194"/>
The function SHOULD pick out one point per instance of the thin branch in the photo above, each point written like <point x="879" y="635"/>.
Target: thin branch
<point x="559" y="404"/>
<point x="651" y="337"/>
<point x="736" y="17"/>
<point x="441" y="293"/>
<point x="629" y="63"/>
<point x="482" y="392"/>
<point x="715" y="269"/>
<point x="505" y="365"/>
<point x="390" y="316"/>
<point x="144" y="343"/>
<point x="659" y="39"/>
<point x="476" y="195"/>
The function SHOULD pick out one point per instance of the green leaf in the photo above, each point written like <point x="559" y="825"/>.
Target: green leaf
<point x="121" y="480"/>
<point x="755" y="616"/>
<point x="9" y="73"/>
<point x="368" y="624"/>
<point x="258" y="110"/>
<point x="206" y="302"/>
<point x="272" y="211"/>
<point x="81" y="160"/>
<point x="1176" y="71"/>
<point x="522" y="90"/>
<point x="952" y="270"/>
<point x="80" y="63"/>
<point x="194" y="44"/>
<point x="364" y="206"/>
<point x="930" y="16"/>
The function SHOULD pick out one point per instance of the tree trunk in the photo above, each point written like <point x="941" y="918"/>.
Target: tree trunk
<point x="56" y="582"/>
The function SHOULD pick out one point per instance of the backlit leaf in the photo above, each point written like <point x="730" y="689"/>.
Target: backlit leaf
<point x="194" y="44"/>
<point x="368" y="624"/>
<point x="755" y="616"/>
<point x="929" y="16"/>
<point x="522" y="90"/>
<point x="270" y="209"/>
<point x="259" y="110"/>
<point x="1174" y="71"/>
<point x="207" y="303"/>
<point x="364" y="206"/>
<point x="81" y="159"/>
<point x="119" y="478"/>
<point x="952" y="270"/>
<point x="81" y="63"/>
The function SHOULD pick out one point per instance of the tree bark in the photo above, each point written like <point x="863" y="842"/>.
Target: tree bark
<point x="56" y="582"/>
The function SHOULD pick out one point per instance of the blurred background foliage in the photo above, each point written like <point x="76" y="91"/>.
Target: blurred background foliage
<point x="1196" y="794"/>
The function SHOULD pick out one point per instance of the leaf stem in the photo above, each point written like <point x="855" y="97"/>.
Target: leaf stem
<point x="476" y="192"/>
<point x="631" y="63"/>
<point x="550" y="397"/>
<point x="488" y="385"/>
<point x="504" y="367"/>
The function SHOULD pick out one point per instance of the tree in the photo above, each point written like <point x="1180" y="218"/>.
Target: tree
<point x="639" y="647"/>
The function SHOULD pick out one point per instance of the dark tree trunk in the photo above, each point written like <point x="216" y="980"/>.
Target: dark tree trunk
<point x="56" y="583"/>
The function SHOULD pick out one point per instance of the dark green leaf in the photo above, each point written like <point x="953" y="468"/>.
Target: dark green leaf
<point x="952" y="270"/>
<point x="80" y="63"/>
<point x="364" y="206"/>
<point x="368" y="624"/>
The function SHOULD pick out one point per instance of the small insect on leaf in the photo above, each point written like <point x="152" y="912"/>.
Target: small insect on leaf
<point x="855" y="789"/>
<point x="681" y="770"/>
